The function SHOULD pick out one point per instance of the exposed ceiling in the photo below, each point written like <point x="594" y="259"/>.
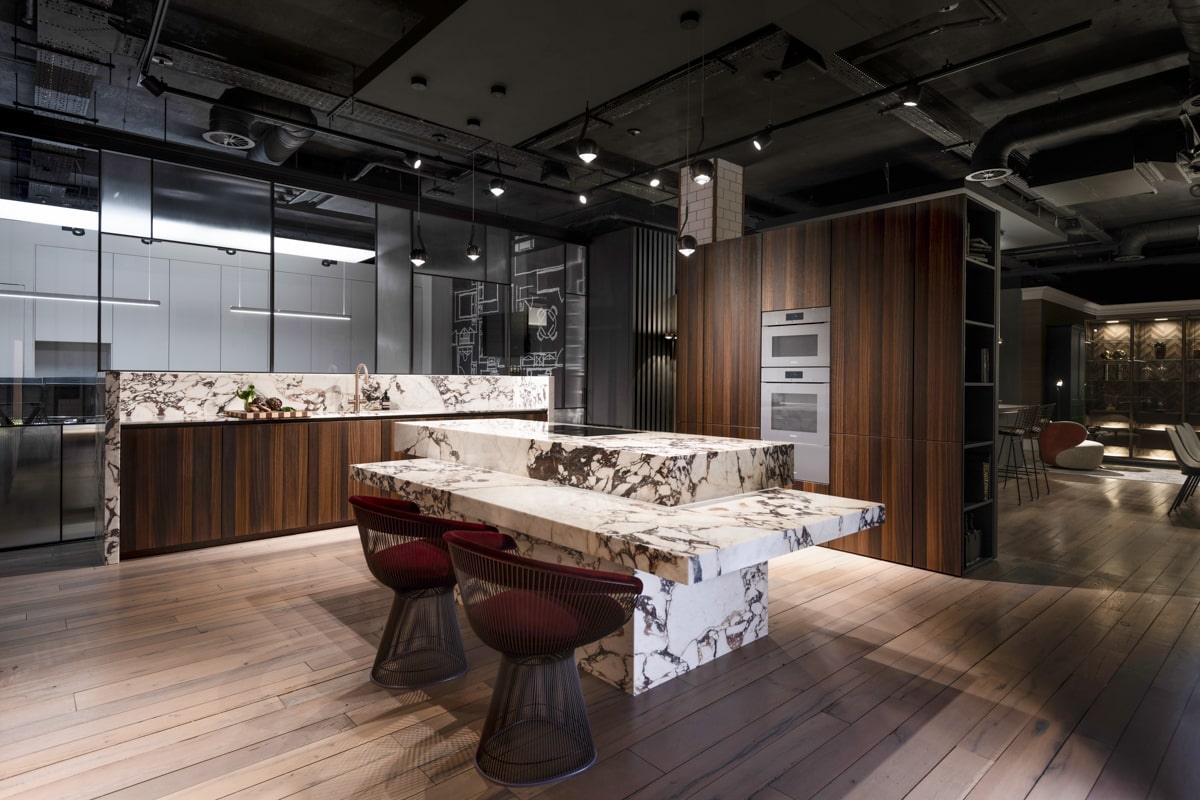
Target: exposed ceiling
<point x="1086" y="170"/>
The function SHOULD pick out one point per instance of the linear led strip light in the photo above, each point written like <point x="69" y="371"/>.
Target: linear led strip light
<point x="304" y="314"/>
<point x="78" y="298"/>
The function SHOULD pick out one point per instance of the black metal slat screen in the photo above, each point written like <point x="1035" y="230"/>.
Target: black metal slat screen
<point x="653" y="323"/>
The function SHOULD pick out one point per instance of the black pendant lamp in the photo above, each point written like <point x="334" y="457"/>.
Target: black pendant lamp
<point x="472" y="248"/>
<point x="417" y="255"/>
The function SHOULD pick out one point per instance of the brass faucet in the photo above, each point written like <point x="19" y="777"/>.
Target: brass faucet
<point x="360" y="372"/>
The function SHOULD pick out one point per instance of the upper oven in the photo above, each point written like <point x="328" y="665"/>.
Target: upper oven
<point x="798" y="338"/>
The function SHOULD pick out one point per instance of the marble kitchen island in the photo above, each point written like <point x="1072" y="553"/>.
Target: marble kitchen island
<point x="640" y="503"/>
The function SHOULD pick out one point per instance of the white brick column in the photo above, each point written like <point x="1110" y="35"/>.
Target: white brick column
<point x="714" y="210"/>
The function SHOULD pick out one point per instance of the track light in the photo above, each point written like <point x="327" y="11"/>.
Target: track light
<point x="686" y="245"/>
<point x="412" y="162"/>
<point x="584" y="197"/>
<point x="763" y="140"/>
<point x="151" y="84"/>
<point x="655" y="180"/>
<point x="497" y="186"/>
<point x="911" y="96"/>
<point x="587" y="150"/>
<point x="702" y="171"/>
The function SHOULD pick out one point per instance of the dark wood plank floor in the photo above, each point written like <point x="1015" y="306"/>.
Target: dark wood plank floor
<point x="1067" y="668"/>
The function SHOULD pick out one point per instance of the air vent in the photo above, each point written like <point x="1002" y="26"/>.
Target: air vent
<point x="229" y="128"/>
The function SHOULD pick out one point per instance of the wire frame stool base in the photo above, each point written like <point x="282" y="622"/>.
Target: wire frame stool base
<point x="421" y="643"/>
<point x="537" y="728"/>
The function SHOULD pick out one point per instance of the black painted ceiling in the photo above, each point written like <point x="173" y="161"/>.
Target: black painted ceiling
<point x="660" y="91"/>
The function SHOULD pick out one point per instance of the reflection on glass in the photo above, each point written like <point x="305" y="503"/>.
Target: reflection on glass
<point x="794" y="411"/>
<point x="465" y="328"/>
<point x="794" y="346"/>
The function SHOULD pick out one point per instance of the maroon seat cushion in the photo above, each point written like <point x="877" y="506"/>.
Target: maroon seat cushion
<point x="413" y="565"/>
<point x="522" y="622"/>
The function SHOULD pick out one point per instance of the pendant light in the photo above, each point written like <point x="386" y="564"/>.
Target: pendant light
<point x="702" y="171"/>
<point x="418" y="256"/>
<point x="655" y="180"/>
<point x="472" y="248"/>
<point x="762" y="140"/>
<point x="685" y="243"/>
<point x="498" y="185"/>
<point x="585" y="148"/>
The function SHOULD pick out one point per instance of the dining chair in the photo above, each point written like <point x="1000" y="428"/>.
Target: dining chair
<point x="1188" y="465"/>
<point x="421" y="643"/>
<point x="535" y="614"/>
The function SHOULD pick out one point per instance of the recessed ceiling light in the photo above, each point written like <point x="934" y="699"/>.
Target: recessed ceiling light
<point x="634" y="131"/>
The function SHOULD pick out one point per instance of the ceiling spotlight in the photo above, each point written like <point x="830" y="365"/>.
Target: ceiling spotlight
<point x="473" y="251"/>
<point x="686" y="245"/>
<point x="473" y="122"/>
<point x="911" y="96"/>
<point x="584" y="197"/>
<point x="417" y="256"/>
<point x="689" y="20"/>
<point x="497" y="186"/>
<point x="763" y="140"/>
<point x="419" y="83"/>
<point x="412" y="162"/>
<point x="702" y="171"/>
<point x="587" y="150"/>
<point x="498" y="90"/>
<point x="656" y="180"/>
<point x="151" y="84"/>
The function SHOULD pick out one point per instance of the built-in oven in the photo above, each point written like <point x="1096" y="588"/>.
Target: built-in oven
<point x="798" y="338"/>
<point x="795" y="408"/>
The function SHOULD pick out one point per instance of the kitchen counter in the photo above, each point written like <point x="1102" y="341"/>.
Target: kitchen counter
<point x="703" y="564"/>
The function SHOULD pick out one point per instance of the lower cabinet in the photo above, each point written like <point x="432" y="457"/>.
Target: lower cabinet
<point x="265" y="469"/>
<point x="332" y="448"/>
<point x="176" y="491"/>
<point x="878" y="469"/>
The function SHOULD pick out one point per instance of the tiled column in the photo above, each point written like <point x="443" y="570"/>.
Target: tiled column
<point x="714" y="210"/>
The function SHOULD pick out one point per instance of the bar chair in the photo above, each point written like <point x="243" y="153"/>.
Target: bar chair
<point x="1188" y="465"/>
<point x="1043" y="416"/>
<point x="421" y="643"/>
<point x="1014" y="434"/>
<point x="535" y="614"/>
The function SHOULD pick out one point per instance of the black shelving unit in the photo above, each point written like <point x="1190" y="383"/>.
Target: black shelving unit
<point x="980" y="312"/>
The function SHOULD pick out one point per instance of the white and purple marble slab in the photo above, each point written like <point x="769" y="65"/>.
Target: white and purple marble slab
<point x="174" y="397"/>
<point x="664" y="468"/>
<point x="703" y="567"/>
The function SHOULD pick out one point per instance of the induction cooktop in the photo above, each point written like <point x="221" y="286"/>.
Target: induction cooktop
<point x="567" y="429"/>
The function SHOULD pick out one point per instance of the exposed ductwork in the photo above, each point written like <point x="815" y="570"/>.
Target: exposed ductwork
<point x="1187" y="14"/>
<point x="1115" y="108"/>
<point x="1167" y="230"/>
<point x="232" y="119"/>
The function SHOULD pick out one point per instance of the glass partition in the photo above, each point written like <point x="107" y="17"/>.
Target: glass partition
<point x="463" y="327"/>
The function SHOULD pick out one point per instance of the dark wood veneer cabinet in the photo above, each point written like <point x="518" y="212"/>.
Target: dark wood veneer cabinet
<point x="878" y="469"/>
<point x="795" y="267"/>
<point x="171" y="487"/>
<point x="332" y="447"/>
<point x="266" y="477"/>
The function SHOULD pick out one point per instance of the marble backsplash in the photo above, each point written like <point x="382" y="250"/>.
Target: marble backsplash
<point x="150" y="396"/>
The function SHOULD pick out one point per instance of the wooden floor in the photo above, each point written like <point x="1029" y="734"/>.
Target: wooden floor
<point x="1066" y="669"/>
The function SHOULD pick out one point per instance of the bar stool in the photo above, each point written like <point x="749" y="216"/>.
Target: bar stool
<point x="1042" y="416"/>
<point x="421" y="643"/>
<point x="1015" y="435"/>
<point x="535" y="614"/>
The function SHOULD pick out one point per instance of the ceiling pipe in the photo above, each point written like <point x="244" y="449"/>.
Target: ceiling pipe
<point x="1168" y="230"/>
<point x="230" y="121"/>
<point x="1155" y="97"/>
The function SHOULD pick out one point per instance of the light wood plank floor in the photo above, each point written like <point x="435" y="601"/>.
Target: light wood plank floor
<point x="1065" y="669"/>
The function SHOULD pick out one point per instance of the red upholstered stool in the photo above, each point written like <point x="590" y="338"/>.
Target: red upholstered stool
<point x="536" y="614"/>
<point x="421" y="642"/>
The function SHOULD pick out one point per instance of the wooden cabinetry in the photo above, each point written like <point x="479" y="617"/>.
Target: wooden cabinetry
<point x="877" y="468"/>
<point x="332" y="447"/>
<point x="795" y="267"/>
<point x="720" y="323"/>
<point x="177" y="472"/>
<point x="265" y="470"/>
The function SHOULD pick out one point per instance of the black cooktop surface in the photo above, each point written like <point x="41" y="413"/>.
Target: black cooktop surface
<point x="567" y="429"/>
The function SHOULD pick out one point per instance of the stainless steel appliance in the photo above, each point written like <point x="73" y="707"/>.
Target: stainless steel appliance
<point x="798" y="338"/>
<point x="795" y="408"/>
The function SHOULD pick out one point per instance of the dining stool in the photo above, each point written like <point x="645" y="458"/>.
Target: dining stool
<point x="421" y="643"/>
<point x="535" y="614"/>
<point x="1014" y="434"/>
<point x="1042" y="416"/>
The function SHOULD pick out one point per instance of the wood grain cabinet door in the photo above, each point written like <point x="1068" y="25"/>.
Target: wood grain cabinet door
<point x="689" y="346"/>
<point x="171" y="487"/>
<point x="333" y="446"/>
<point x="938" y="339"/>
<point x="879" y="469"/>
<point x="732" y="332"/>
<point x="795" y="267"/>
<point x="266" y="477"/>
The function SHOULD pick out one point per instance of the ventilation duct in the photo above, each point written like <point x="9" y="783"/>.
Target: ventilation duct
<point x="1167" y="230"/>
<point x="1187" y="14"/>
<point x="232" y="120"/>
<point x="1115" y="108"/>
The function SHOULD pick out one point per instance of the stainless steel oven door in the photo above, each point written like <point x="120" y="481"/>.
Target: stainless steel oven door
<point x="796" y="338"/>
<point x="795" y="408"/>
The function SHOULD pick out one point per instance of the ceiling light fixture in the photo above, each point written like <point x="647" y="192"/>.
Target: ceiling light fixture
<point x="413" y="161"/>
<point x="656" y="180"/>
<point x="686" y="245"/>
<point x="702" y="171"/>
<point x="332" y="252"/>
<point x="472" y="248"/>
<point x="21" y="294"/>
<point x="417" y="255"/>
<point x="498" y="185"/>
<point x="763" y="140"/>
<point x="151" y="84"/>
<point x="584" y="197"/>
<point x="585" y="148"/>
<point x="45" y="214"/>
<point x="419" y="83"/>
<point x="284" y="313"/>
<point x="910" y="97"/>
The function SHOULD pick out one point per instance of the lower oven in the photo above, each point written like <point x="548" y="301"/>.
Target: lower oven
<point x="795" y="408"/>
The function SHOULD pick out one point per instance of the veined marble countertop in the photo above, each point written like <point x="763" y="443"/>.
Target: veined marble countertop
<point x="663" y="468"/>
<point x="685" y="543"/>
<point x="403" y="413"/>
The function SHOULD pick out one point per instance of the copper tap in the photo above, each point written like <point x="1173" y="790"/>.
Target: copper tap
<point x="360" y="374"/>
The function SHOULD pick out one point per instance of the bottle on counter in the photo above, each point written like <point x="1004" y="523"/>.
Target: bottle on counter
<point x="385" y="402"/>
